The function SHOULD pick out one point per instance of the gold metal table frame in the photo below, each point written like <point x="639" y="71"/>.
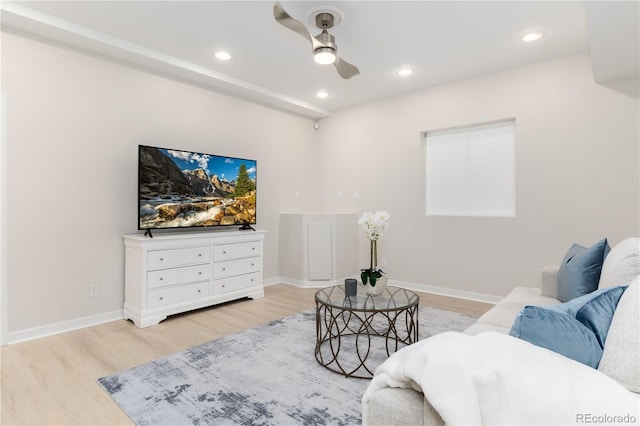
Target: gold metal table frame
<point x="365" y="319"/>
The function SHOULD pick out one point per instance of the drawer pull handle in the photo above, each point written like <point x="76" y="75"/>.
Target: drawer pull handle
<point x="252" y="280"/>
<point x="224" y="285"/>
<point x="224" y="252"/>
<point x="224" y="269"/>
<point x="252" y="264"/>
<point x="253" y="248"/>
<point x="199" y="254"/>
<point x="161" y="279"/>
<point x="161" y="298"/>
<point x="199" y="291"/>
<point x="161" y="259"/>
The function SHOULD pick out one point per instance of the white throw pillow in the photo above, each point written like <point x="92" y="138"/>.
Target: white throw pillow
<point x="622" y="264"/>
<point x="621" y="356"/>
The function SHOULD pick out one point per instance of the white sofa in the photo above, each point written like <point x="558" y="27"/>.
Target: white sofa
<point x="389" y="400"/>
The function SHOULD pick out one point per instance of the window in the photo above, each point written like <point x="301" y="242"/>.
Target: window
<point x="470" y="171"/>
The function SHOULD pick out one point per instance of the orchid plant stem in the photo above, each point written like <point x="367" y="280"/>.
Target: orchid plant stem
<point x="374" y="254"/>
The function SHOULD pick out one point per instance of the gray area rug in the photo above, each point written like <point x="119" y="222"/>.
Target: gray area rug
<point x="266" y="375"/>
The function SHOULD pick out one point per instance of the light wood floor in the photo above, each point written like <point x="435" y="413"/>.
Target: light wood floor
<point x="52" y="380"/>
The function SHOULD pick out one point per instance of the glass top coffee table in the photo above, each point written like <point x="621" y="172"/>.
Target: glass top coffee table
<point x="356" y="334"/>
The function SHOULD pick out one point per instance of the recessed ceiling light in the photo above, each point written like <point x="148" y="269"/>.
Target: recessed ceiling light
<point x="322" y="94"/>
<point x="533" y="36"/>
<point x="222" y="55"/>
<point x="405" y="71"/>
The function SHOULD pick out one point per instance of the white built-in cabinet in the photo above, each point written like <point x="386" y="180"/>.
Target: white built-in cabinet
<point x="174" y="273"/>
<point x="318" y="249"/>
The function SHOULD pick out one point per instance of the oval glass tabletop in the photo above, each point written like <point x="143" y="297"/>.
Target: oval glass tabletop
<point x="391" y="299"/>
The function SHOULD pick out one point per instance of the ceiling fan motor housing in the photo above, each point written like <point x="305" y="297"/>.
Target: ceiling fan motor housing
<point x="327" y="53"/>
<point x="324" y="20"/>
<point x="327" y="39"/>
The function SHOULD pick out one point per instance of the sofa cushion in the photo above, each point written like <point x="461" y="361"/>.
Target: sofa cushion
<point x="621" y="355"/>
<point x="481" y="327"/>
<point x="397" y="406"/>
<point x="503" y="314"/>
<point x="580" y="270"/>
<point x="576" y="329"/>
<point x="622" y="264"/>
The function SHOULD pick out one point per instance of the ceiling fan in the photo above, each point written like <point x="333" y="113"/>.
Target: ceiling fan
<point x="325" y="50"/>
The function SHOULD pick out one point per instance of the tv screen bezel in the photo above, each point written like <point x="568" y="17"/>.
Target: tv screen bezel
<point x="194" y="227"/>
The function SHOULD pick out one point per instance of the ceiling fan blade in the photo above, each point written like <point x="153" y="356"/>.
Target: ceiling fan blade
<point x="345" y="69"/>
<point x="283" y="18"/>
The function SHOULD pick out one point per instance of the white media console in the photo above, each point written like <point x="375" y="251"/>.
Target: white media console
<point x="174" y="273"/>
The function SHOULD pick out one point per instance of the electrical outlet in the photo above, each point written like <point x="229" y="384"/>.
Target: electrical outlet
<point x="355" y="194"/>
<point x="93" y="290"/>
<point x="340" y="195"/>
<point x="383" y="262"/>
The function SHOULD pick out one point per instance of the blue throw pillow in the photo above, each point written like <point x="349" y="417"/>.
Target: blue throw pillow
<point x="576" y="329"/>
<point x="580" y="269"/>
<point x="598" y="313"/>
<point x="557" y="332"/>
<point x="574" y="305"/>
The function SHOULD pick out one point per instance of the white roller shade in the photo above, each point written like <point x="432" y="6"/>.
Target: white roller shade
<point x="471" y="171"/>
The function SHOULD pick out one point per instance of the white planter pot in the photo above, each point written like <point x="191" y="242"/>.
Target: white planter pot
<point x="381" y="285"/>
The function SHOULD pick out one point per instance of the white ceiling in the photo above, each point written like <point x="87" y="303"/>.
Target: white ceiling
<point x="443" y="41"/>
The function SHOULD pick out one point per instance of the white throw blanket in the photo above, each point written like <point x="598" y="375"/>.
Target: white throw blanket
<point x="493" y="378"/>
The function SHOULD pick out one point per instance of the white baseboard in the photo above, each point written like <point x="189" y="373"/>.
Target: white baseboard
<point x="442" y="291"/>
<point x="445" y="291"/>
<point x="63" y="327"/>
<point x="271" y="281"/>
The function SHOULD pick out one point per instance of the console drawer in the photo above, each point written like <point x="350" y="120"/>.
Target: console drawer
<point x="178" y="294"/>
<point x="177" y="257"/>
<point x="234" y="251"/>
<point x="173" y="276"/>
<point x="236" y="267"/>
<point x="238" y="282"/>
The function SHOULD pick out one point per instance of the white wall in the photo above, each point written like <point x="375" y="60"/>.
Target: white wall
<point x="3" y="225"/>
<point x="74" y="123"/>
<point x="577" y="177"/>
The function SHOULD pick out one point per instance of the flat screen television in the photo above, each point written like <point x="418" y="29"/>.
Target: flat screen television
<point x="184" y="189"/>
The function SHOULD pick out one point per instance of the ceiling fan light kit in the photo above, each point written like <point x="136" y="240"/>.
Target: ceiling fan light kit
<point x="324" y="56"/>
<point x="323" y="46"/>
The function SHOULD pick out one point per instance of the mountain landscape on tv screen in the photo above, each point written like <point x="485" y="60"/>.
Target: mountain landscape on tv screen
<point x="185" y="189"/>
